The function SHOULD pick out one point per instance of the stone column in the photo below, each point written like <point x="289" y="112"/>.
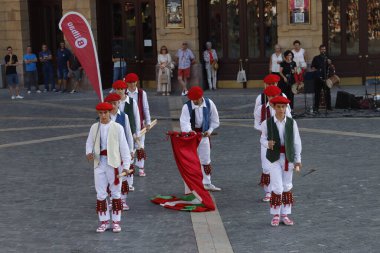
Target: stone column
<point x="14" y="30"/>
<point x="310" y="35"/>
<point x="173" y="38"/>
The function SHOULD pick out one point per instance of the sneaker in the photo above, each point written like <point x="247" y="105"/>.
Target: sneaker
<point x="29" y="92"/>
<point x="131" y="188"/>
<point x="73" y="91"/>
<point x="183" y="93"/>
<point x="103" y="227"/>
<point x="19" y="97"/>
<point x="275" y="221"/>
<point x="211" y="187"/>
<point x="116" y="227"/>
<point x="267" y="197"/>
<point x="285" y="219"/>
<point x="186" y="92"/>
<point x="125" y="206"/>
<point x="55" y="90"/>
<point x="13" y="97"/>
<point x="45" y="90"/>
<point x="142" y="173"/>
<point x="38" y="91"/>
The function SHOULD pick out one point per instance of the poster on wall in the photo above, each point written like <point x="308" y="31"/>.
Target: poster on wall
<point x="299" y="11"/>
<point x="174" y="14"/>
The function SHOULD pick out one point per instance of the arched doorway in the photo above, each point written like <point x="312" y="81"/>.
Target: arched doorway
<point x="241" y="31"/>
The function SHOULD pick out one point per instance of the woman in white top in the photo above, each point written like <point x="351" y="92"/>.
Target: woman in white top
<point x="275" y="60"/>
<point x="299" y="55"/>
<point x="164" y="61"/>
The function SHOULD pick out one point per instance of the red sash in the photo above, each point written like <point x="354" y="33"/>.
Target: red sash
<point x="282" y="150"/>
<point x="263" y="109"/>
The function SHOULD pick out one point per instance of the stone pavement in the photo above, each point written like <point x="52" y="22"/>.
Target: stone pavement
<point x="48" y="197"/>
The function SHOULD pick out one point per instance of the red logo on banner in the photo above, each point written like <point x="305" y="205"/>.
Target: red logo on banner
<point x="78" y="34"/>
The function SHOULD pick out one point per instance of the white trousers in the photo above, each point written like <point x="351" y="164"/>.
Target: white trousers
<point x="140" y="163"/>
<point x="204" y="157"/>
<point x="281" y="181"/>
<point x="265" y="165"/>
<point x="104" y="175"/>
<point x="211" y="77"/>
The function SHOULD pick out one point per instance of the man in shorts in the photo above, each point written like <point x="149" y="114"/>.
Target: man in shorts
<point x="185" y="58"/>
<point x="11" y="62"/>
<point x="63" y="57"/>
<point x="75" y="72"/>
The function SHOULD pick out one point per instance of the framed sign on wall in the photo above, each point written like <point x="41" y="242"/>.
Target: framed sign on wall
<point x="174" y="14"/>
<point x="299" y="11"/>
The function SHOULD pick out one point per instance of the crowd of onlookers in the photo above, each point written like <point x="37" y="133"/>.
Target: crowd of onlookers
<point x="183" y="59"/>
<point x="67" y="66"/>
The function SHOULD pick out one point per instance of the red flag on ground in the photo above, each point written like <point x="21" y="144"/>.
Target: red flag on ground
<point x="185" y="152"/>
<point x="78" y="34"/>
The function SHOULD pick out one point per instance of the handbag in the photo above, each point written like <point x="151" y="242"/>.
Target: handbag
<point x="241" y="76"/>
<point x="215" y="65"/>
<point x="164" y="77"/>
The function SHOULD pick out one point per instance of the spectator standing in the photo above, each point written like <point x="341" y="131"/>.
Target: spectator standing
<point x="300" y="59"/>
<point x="11" y="63"/>
<point x="275" y="61"/>
<point x="320" y="65"/>
<point x="47" y="68"/>
<point x="299" y="55"/>
<point x="185" y="58"/>
<point x="31" y="77"/>
<point x="164" y="61"/>
<point x="63" y="57"/>
<point x="287" y="70"/>
<point x="75" y="69"/>
<point x="119" y="64"/>
<point x="211" y="62"/>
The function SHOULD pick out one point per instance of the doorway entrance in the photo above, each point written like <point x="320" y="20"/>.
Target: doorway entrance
<point x="352" y="34"/>
<point x="128" y="27"/>
<point x="241" y="31"/>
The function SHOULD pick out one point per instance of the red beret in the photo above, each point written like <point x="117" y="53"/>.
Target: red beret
<point x="195" y="93"/>
<point x="119" y="84"/>
<point x="104" y="107"/>
<point x="279" y="100"/>
<point x="271" y="79"/>
<point x="112" y="97"/>
<point x="131" y="78"/>
<point x="272" y="91"/>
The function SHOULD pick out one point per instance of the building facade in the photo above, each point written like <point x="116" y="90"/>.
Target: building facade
<point x="242" y="31"/>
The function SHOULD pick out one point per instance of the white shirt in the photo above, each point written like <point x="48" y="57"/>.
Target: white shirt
<point x="258" y="103"/>
<point x="299" y="58"/>
<point x="184" y="58"/>
<point x="135" y="111"/>
<point x="164" y="58"/>
<point x="185" y="117"/>
<point x="281" y="130"/>
<point x="275" y="67"/>
<point x="127" y="128"/>
<point x="257" y="114"/>
<point x="135" y="96"/>
<point x="123" y="145"/>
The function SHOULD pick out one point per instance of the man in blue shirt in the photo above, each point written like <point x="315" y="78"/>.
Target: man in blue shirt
<point x="63" y="57"/>
<point x="47" y="68"/>
<point x="31" y="77"/>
